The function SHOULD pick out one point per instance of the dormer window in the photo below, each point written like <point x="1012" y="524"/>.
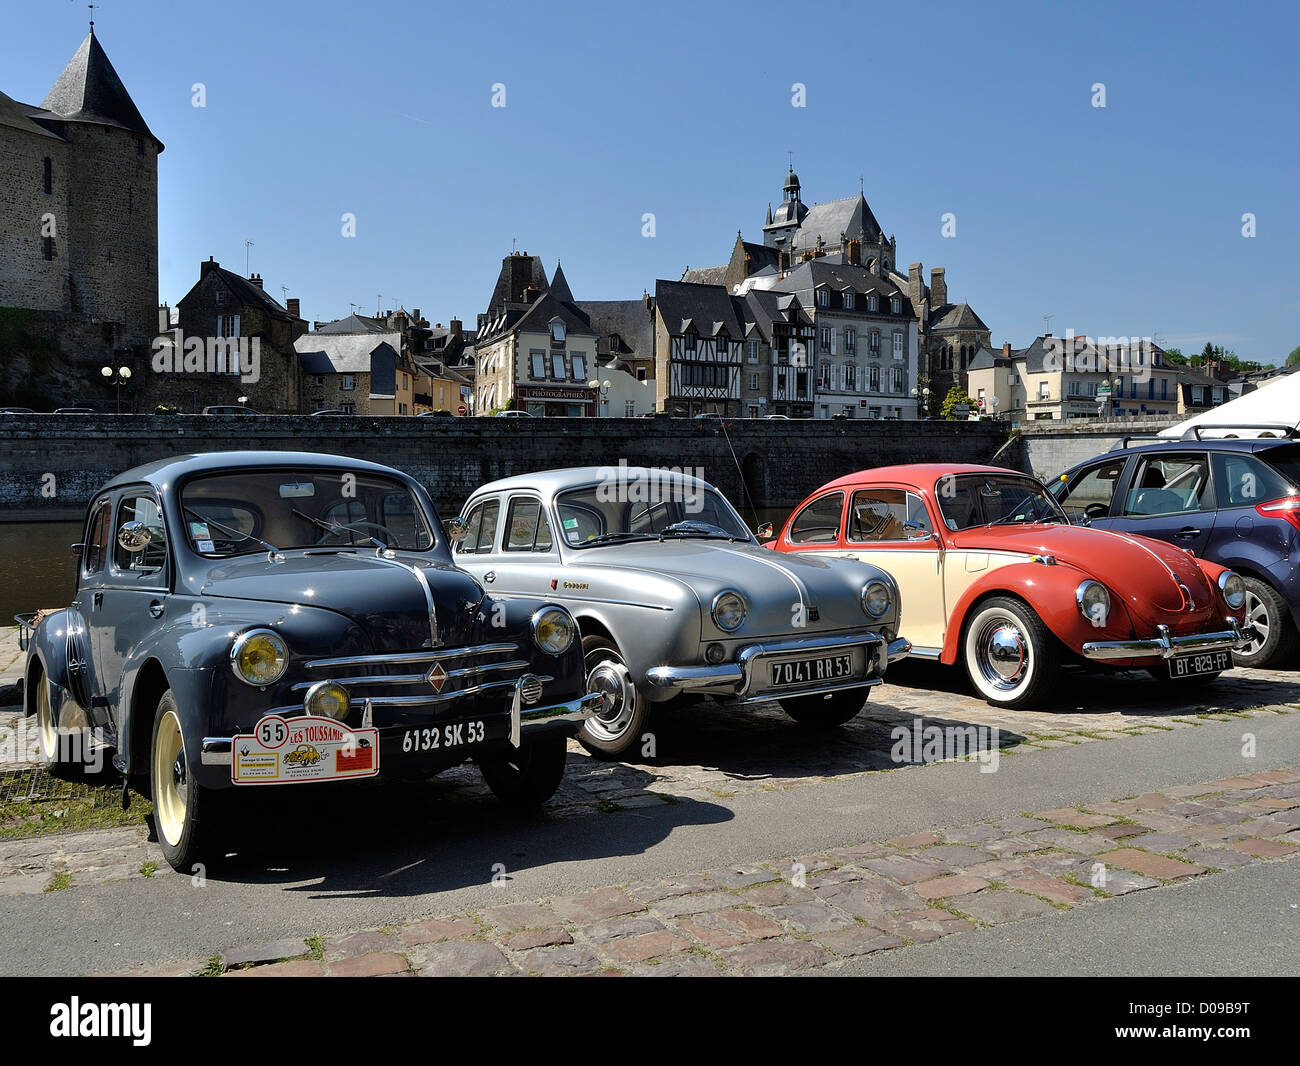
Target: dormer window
<point x="557" y="331"/>
<point x="823" y="298"/>
<point x="895" y="306"/>
<point x="688" y="342"/>
<point x="848" y="300"/>
<point x="873" y="304"/>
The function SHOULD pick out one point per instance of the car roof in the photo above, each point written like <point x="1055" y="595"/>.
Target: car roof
<point x="162" y="472"/>
<point x="922" y="475"/>
<point x="549" y="482"/>
<point x="1180" y="444"/>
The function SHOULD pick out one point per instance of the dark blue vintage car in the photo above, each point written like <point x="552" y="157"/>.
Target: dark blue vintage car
<point x="274" y="618"/>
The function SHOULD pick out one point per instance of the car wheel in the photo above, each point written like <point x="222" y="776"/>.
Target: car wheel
<point x="47" y="724"/>
<point x="184" y="814"/>
<point x="617" y="726"/>
<point x="1011" y="657"/>
<point x="1267" y="612"/>
<point x="529" y="776"/>
<point x="826" y="711"/>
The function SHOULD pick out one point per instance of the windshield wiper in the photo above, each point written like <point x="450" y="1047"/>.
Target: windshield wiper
<point x="331" y="527"/>
<point x="605" y="538"/>
<point x="232" y="532"/>
<point x="688" y="528"/>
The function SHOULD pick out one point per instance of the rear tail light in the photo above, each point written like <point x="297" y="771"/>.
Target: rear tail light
<point x="1287" y="508"/>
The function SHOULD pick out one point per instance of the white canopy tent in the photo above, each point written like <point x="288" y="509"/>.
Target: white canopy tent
<point x="1272" y="410"/>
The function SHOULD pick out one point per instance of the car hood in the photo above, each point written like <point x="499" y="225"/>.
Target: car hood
<point x="1146" y="573"/>
<point x="385" y="597"/>
<point x="775" y="586"/>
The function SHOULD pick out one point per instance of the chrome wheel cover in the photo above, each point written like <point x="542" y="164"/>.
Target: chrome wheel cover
<point x="1002" y="653"/>
<point x="608" y="675"/>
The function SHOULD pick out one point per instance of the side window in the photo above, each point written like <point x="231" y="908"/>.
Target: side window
<point x="819" y="522"/>
<point x="529" y="531"/>
<point x="1241" y="480"/>
<point x="886" y="514"/>
<point x="152" y="557"/>
<point x="1090" y="495"/>
<point x="96" y="550"/>
<point x="1168" y="484"/>
<point x="482" y="529"/>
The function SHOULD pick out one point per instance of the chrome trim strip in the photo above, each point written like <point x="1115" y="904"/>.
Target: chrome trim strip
<point x="415" y="679"/>
<point x="925" y="653"/>
<point x="560" y="597"/>
<point x="898" y="649"/>
<point x="382" y="659"/>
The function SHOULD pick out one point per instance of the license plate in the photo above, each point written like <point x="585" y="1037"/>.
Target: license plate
<point x="1208" y="662"/>
<point x="446" y="737"/>
<point x="286" y="751"/>
<point x="805" y="673"/>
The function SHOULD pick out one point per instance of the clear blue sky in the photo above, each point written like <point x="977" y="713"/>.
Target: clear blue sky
<point x="1119" y="221"/>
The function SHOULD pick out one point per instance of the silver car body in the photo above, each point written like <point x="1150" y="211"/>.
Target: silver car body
<point x="654" y="597"/>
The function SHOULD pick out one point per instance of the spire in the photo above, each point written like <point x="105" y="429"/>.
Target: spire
<point x="559" y="286"/>
<point x="89" y="90"/>
<point x="769" y="214"/>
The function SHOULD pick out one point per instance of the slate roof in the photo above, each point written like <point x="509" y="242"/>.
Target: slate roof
<point x="89" y="90"/>
<point x="951" y="317"/>
<point x="354" y="323"/>
<point x="244" y="291"/>
<point x="838" y="276"/>
<point x="850" y="216"/>
<point x="342" y="353"/>
<point x="560" y="285"/>
<point x="16" y="116"/>
<point x="714" y="275"/>
<point x="514" y="277"/>
<point x="708" y="308"/>
<point x="548" y="306"/>
<point x="631" y="320"/>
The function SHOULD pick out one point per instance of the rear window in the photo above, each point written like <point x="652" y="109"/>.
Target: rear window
<point x="1286" y="461"/>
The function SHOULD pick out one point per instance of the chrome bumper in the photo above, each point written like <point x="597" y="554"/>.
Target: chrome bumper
<point x="215" y="751"/>
<point x="1164" y="646"/>
<point x="738" y="678"/>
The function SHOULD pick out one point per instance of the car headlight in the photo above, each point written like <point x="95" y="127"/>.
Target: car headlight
<point x="1233" y="589"/>
<point x="876" y="599"/>
<point x="553" y="630"/>
<point x="729" y="610"/>
<point x="1093" y="601"/>
<point x="327" y="699"/>
<point x="259" y="657"/>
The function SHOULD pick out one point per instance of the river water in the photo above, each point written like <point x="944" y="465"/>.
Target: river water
<point x="37" y="567"/>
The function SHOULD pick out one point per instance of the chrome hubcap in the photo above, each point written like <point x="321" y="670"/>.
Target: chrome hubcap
<point x="1003" y="653"/>
<point x="1256" y="614"/>
<point x="607" y="675"/>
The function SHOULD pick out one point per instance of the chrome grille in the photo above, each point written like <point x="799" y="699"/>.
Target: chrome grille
<point x="375" y="677"/>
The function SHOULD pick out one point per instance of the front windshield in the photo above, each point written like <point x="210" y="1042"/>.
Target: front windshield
<point x="602" y="514"/>
<point x="253" y="510"/>
<point x="969" y="500"/>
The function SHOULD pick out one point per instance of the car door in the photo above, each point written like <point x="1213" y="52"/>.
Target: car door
<point x="1089" y="494"/>
<point x="818" y="527"/>
<point x="891" y="528"/>
<point x="1170" y="496"/>
<point x="83" y="681"/>
<point x="476" y="550"/>
<point x="526" y="560"/>
<point x="132" y="599"/>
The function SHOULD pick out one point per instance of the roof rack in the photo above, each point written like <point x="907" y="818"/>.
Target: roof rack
<point x="1123" y="442"/>
<point x="1281" y="428"/>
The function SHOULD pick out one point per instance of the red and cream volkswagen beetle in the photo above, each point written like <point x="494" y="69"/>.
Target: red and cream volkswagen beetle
<point x="991" y="573"/>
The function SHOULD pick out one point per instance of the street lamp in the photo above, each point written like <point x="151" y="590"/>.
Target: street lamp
<point x="116" y="378"/>
<point x="602" y="387"/>
<point x="1103" y="397"/>
<point x="922" y="396"/>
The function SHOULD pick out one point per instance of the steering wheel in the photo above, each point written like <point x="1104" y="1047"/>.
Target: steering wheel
<point x="387" y="537"/>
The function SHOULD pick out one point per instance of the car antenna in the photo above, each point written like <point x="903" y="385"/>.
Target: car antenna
<point x="744" y="489"/>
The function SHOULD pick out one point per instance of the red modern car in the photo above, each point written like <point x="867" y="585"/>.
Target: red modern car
<point x="992" y="574"/>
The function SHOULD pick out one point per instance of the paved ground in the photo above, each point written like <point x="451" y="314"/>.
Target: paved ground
<point x="602" y="878"/>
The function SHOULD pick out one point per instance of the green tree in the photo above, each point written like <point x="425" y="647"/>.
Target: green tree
<point x="956" y="397"/>
<point x="1175" y="356"/>
<point x="1294" y="357"/>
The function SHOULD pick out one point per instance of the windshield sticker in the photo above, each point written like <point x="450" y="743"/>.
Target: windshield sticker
<point x="570" y="523"/>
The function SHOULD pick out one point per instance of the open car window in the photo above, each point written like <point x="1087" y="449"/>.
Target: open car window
<point x="886" y="515"/>
<point x="1090" y="494"/>
<point x="151" y="558"/>
<point x="232" y="513"/>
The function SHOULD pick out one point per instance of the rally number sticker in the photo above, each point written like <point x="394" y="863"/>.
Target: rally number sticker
<point x="441" y="738"/>
<point x="282" y="751"/>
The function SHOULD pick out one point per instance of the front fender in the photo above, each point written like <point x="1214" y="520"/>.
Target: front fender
<point x="1049" y="590"/>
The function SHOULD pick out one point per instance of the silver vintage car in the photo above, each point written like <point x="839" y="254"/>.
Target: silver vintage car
<point x="675" y="597"/>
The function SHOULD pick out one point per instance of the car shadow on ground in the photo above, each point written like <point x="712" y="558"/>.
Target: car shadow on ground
<point x="406" y="838"/>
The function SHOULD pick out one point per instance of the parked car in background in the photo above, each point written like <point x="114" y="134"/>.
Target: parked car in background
<point x="247" y="619"/>
<point x="993" y="576"/>
<point x="228" y="409"/>
<point x="16" y="411"/>
<point x="514" y="414"/>
<point x="1233" y="501"/>
<point x="674" y="597"/>
<point x="74" y="410"/>
<point x="330" y="412"/>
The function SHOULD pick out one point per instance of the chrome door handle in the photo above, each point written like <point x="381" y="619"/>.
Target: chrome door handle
<point x="1187" y="533"/>
<point x="490" y="576"/>
<point x="97" y="599"/>
<point x="156" y="608"/>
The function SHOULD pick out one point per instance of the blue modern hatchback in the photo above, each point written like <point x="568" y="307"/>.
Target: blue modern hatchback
<point x="1232" y="500"/>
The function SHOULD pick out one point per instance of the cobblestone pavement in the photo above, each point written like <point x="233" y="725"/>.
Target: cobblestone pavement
<point x="803" y="912"/>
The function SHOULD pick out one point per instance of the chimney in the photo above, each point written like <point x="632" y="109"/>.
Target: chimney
<point x="1006" y="349"/>
<point x="456" y="327"/>
<point x="164" y="318"/>
<point x="294" y="306"/>
<point x="855" y="253"/>
<point x="914" y="284"/>
<point x="530" y="293"/>
<point x="256" y="279"/>
<point x="211" y="264"/>
<point x="938" y="286"/>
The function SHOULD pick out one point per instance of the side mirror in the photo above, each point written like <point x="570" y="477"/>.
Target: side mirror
<point x="764" y="531"/>
<point x="457" y="529"/>
<point x="134" y="536"/>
